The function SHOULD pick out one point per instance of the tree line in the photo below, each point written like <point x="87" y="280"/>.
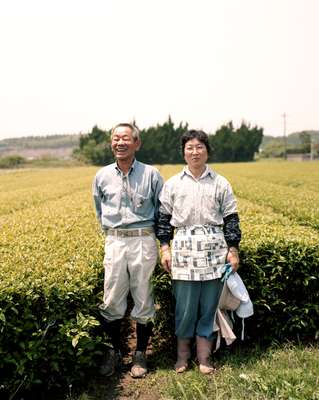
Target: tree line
<point x="161" y="144"/>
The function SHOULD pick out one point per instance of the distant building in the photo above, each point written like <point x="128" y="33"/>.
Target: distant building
<point x="301" y="157"/>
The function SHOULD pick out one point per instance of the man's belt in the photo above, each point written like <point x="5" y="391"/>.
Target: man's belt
<point x="130" y="232"/>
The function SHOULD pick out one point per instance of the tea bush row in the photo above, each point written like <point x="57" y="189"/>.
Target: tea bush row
<point x="301" y="206"/>
<point x="23" y="189"/>
<point x="299" y="175"/>
<point x="50" y="285"/>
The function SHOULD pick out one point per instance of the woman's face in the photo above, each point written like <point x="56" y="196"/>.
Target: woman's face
<point x="195" y="154"/>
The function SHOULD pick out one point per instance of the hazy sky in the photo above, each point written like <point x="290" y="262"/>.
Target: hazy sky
<point x="67" y="65"/>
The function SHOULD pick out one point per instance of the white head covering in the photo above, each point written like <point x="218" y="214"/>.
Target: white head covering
<point x="238" y="289"/>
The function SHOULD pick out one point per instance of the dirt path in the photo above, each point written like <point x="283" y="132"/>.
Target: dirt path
<point x="121" y="386"/>
<point x="127" y="388"/>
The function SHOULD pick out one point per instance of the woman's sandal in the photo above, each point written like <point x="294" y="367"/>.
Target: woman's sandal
<point x="207" y="369"/>
<point x="181" y="367"/>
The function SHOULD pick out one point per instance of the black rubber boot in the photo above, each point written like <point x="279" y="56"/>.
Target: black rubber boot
<point x="113" y="330"/>
<point x="143" y="334"/>
<point x="113" y="357"/>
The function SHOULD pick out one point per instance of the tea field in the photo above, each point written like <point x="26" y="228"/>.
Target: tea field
<point x="51" y="252"/>
<point x="48" y="224"/>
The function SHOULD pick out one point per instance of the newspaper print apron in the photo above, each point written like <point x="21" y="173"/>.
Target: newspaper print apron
<point x="198" y="253"/>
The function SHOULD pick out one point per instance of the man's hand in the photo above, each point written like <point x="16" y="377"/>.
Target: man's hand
<point x="233" y="258"/>
<point x="166" y="258"/>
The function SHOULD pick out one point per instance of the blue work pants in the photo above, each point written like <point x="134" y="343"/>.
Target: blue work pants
<point x="196" y="305"/>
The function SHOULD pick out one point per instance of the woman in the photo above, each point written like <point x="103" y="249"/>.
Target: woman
<point x="200" y="206"/>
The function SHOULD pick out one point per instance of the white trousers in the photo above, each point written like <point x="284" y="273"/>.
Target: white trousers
<point x="128" y="266"/>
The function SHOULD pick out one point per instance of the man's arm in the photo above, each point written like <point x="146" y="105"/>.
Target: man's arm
<point x="157" y="185"/>
<point x="163" y="228"/>
<point x="97" y="200"/>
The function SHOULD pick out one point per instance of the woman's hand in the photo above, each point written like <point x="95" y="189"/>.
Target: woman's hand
<point x="233" y="258"/>
<point x="166" y="258"/>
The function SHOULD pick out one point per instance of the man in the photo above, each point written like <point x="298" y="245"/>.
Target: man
<point x="126" y="201"/>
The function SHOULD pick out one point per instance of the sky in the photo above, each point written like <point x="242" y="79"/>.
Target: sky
<point x="67" y="65"/>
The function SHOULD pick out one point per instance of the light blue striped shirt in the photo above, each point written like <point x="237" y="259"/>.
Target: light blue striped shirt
<point x="127" y="201"/>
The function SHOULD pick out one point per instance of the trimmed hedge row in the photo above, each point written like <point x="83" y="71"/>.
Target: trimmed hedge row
<point x="48" y="338"/>
<point x="25" y="189"/>
<point x="298" y="175"/>
<point x="50" y="284"/>
<point x="280" y="268"/>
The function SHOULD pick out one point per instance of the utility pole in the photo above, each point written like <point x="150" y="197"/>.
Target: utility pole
<point x="285" y="137"/>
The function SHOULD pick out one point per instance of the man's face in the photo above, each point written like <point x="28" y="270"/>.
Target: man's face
<point x="195" y="154"/>
<point x="123" y="144"/>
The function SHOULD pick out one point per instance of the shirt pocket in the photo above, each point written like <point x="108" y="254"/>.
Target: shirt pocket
<point x="209" y="204"/>
<point x="140" y="203"/>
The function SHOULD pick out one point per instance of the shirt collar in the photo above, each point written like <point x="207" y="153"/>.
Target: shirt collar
<point x="119" y="171"/>
<point x="207" y="171"/>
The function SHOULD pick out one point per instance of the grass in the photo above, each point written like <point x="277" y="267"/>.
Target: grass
<point x="285" y="372"/>
<point x="288" y="373"/>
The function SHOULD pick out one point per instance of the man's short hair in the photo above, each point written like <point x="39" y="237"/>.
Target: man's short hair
<point x="134" y="129"/>
<point x="201" y="136"/>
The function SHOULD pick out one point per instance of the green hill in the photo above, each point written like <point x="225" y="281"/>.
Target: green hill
<point x="41" y="142"/>
<point x="34" y="147"/>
